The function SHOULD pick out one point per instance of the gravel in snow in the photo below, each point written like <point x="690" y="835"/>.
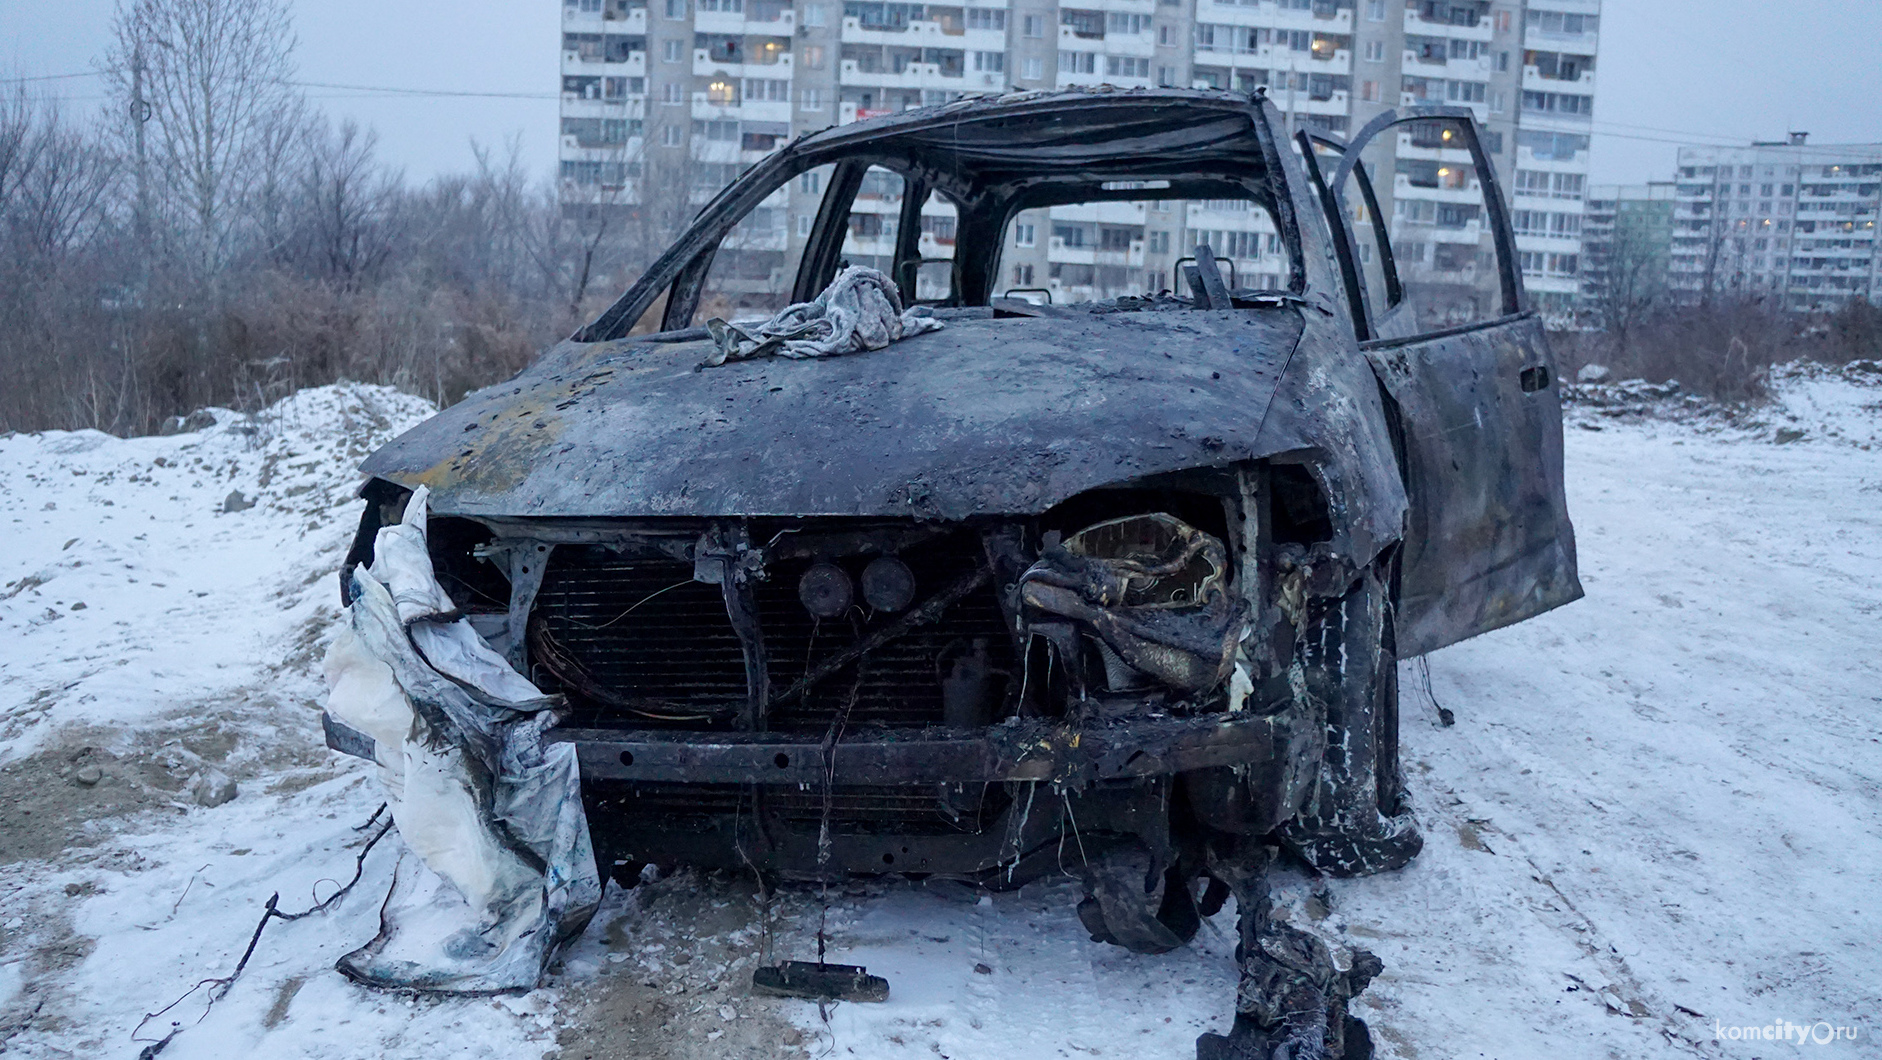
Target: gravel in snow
<point x="1660" y="808"/>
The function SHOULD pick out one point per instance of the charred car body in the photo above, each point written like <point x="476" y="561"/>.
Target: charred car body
<point x="1116" y="588"/>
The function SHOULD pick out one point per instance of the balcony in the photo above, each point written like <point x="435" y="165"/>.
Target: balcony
<point x="783" y="23"/>
<point x="1338" y="20"/>
<point x="1534" y="81"/>
<point x="633" y="20"/>
<point x="1403" y="187"/>
<point x="774" y="63"/>
<point x="918" y="33"/>
<point x="1110" y="213"/>
<point x="635" y="65"/>
<point x="1542" y="41"/>
<point x="1091" y="254"/>
<point x="912" y="75"/>
<point x="706" y="108"/>
<point x="1416" y="25"/>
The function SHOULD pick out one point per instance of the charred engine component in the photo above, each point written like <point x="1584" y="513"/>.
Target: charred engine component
<point x="1153" y="592"/>
<point x="825" y="591"/>
<point x="888" y="584"/>
<point x="1134" y="903"/>
<point x="1291" y="1003"/>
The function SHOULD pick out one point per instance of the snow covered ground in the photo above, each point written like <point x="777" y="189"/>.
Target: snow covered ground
<point x="1660" y="808"/>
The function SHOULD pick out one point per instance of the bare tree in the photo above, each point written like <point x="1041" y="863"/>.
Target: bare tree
<point x="347" y="203"/>
<point x="1633" y="282"/>
<point x="215" y="74"/>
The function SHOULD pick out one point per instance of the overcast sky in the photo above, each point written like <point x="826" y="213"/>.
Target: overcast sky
<point x="1684" y="71"/>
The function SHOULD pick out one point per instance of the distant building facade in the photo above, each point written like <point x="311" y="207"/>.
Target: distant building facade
<point x="1627" y="235"/>
<point x="665" y="99"/>
<point x="1793" y="220"/>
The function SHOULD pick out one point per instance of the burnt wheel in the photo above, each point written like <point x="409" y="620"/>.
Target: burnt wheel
<point x="1355" y="822"/>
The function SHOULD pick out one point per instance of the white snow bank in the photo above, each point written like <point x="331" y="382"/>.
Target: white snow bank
<point x="1842" y="404"/>
<point x="136" y="582"/>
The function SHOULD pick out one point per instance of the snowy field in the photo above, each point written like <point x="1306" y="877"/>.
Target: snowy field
<point x="1659" y="811"/>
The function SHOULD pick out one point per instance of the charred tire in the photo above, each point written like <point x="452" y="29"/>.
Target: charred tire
<point x="1355" y="822"/>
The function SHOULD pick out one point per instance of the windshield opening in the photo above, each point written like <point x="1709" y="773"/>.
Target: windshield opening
<point x="1098" y="251"/>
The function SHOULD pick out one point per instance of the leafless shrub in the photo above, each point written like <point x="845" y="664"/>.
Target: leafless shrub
<point x="1724" y="349"/>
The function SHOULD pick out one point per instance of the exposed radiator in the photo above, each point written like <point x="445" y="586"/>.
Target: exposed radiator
<point x="641" y="630"/>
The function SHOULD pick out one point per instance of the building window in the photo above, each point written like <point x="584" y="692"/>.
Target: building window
<point x="991" y="62"/>
<point x="1369" y="91"/>
<point x="1022" y="275"/>
<point x="1025" y="235"/>
<point x="1166" y="36"/>
<point x="813" y="56"/>
<point x="672" y="135"/>
<point x="1159" y="242"/>
<point x="1033" y="26"/>
<point x="676" y="10"/>
<point x="1375" y="51"/>
<point x="1502" y="62"/>
<point x="982" y="18"/>
<point x="813" y="14"/>
<point x="672" y="51"/>
<point x="767" y="90"/>
<point x="1032" y="69"/>
<point x="1532" y="182"/>
<point x="1375" y="10"/>
<point x="1166" y="76"/>
<point x="1125" y="66"/>
<point x="672" y="92"/>
<point x="812" y="101"/>
<point x="1125" y="23"/>
<point x="1078" y="62"/>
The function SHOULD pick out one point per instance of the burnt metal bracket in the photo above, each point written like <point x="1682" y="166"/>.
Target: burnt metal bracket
<point x="742" y="609"/>
<point x="528" y="560"/>
<point x="725" y="558"/>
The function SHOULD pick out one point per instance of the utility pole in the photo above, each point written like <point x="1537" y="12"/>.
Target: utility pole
<point x="140" y="113"/>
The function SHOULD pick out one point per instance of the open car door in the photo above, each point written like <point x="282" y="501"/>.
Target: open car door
<point x="1430" y="267"/>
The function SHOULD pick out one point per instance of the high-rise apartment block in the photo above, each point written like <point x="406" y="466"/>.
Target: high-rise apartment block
<point x="1626" y="232"/>
<point x="669" y="99"/>
<point x="1792" y="220"/>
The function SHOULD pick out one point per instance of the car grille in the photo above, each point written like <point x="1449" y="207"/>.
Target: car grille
<point x="641" y="629"/>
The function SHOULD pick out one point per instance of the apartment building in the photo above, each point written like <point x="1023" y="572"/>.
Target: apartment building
<point x="1626" y="233"/>
<point x="664" y="101"/>
<point x="1790" y="219"/>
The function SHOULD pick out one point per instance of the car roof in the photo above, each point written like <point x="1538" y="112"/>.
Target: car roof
<point x="1201" y="141"/>
<point x="996" y="155"/>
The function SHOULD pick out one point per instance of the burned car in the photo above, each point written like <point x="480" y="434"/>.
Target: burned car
<point x="1115" y="587"/>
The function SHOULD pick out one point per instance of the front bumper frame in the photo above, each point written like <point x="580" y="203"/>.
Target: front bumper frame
<point x="1019" y="750"/>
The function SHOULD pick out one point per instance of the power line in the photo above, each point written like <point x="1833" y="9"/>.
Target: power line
<point x="450" y="93"/>
<point x="52" y="77"/>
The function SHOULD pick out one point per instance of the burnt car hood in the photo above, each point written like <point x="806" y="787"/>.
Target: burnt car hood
<point x="985" y="416"/>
